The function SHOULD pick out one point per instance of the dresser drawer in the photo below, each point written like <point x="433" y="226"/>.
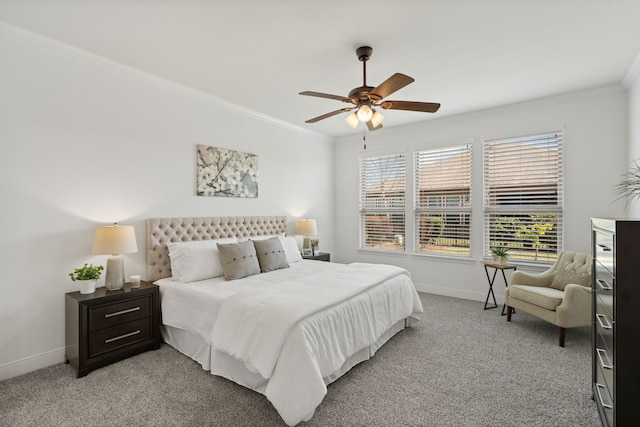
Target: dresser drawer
<point x="119" y="336"/>
<point x="604" y="326"/>
<point x="604" y="249"/>
<point x="604" y="361"/>
<point x="605" y="402"/>
<point x="604" y="304"/>
<point x="604" y="278"/>
<point x="107" y="315"/>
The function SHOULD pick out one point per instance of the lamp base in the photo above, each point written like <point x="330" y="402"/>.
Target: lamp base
<point x="306" y="245"/>
<point x="114" y="279"/>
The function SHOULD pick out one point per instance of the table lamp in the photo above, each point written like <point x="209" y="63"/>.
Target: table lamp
<point x="307" y="227"/>
<point x="114" y="240"/>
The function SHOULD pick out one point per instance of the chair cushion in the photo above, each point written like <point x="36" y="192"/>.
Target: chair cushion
<point x="548" y="298"/>
<point x="563" y="277"/>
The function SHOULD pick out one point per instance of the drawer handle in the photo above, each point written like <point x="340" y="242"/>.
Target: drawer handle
<point x="602" y="354"/>
<point x="604" y="405"/>
<point x="604" y="285"/>
<point x="605" y="324"/>
<point x="118" y="313"/>
<point x="605" y="248"/>
<point x="130" y="334"/>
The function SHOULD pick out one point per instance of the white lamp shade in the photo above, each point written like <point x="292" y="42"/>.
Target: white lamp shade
<point x="352" y="120"/>
<point x="376" y="119"/>
<point x="364" y="113"/>
<point x="114" y="239"/>
<point x="307" y="227"/>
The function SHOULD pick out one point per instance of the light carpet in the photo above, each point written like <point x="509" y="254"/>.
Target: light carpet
<point x="460" y="366"/>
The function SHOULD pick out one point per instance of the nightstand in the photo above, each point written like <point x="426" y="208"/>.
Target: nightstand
<point x="107" y="326"/>
<point x="322" y="256"/>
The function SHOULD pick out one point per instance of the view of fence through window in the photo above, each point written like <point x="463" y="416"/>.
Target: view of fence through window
<point x="442" y="209"/>
<point x="382" y="202"/>
<point x="523" y="196"/>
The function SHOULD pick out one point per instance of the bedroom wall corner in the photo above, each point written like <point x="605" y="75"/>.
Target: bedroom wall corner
<point x="632" y="84"/>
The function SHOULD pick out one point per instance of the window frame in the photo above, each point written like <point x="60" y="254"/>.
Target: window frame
<point x="462" y="208"/>
<point x="519" y="217"/>
<point x="394" y="210"/>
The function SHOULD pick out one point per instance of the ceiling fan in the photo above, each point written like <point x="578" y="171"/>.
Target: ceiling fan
<point x="365" y="98"/>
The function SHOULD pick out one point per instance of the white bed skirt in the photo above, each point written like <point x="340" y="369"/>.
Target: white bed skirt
<point x="220" y="363"/>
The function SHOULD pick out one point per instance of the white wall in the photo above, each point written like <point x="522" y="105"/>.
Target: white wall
<point x="595" y="124"/>
<point x="87" y="142"/>
<point x="632" y="83"/>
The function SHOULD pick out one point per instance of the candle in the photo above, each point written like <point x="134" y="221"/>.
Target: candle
<point x="135" y="281"/>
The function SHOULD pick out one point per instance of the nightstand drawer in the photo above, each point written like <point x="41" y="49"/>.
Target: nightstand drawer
<point x="104" y="316"/>
<point x="119" y="336"/>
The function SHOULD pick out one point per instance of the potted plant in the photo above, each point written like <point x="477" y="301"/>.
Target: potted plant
<point x="500" y="254"/>
<point x="629" y="187"/>
<point x="88" y="275"/>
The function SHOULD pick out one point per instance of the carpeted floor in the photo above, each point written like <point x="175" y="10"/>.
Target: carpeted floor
<point x="460" y="366"/>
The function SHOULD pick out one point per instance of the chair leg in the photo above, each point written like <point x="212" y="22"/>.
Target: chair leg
<point x="563" y="333"/>
<point x="509" y="310"/>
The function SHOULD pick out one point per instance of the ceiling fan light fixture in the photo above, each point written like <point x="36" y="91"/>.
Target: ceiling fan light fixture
<point x="352" y="120"/>
<point x="363" y="98"/>
<point x="364" y="113"/>
<point x="376" y="119"/>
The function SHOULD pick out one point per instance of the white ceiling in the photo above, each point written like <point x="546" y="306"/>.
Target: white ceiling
<point x="465" y="54"/>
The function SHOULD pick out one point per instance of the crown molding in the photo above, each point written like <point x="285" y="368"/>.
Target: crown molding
<point x="632" y="74"/>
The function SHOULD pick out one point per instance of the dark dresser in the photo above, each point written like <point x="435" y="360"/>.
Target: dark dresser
<point x="616" y="320"/>
<point x="107" y="326"/>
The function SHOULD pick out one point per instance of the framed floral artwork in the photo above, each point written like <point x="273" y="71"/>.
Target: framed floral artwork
<point x="226" y="173"/>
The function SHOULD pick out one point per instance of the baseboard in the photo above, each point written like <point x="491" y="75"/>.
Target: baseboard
<point x="31" y="363"/>
<point x="460" y="293"/>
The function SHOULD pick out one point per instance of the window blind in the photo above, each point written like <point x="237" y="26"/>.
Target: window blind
<point x="523" y="196"/>
<point x="442" y="195"/>
<point x="382" y="202"/>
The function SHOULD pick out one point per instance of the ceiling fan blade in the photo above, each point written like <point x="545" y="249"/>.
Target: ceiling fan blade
<point x="371" y="128"/>
<point x="326" y="95"/>
<point x="425" y="107"/>
<point x="324" y="116"/>
<point x="392" y="84"/>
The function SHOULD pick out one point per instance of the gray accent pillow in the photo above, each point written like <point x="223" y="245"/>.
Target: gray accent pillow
<point x="271" y="254"/>
<point x="238" y="259"/>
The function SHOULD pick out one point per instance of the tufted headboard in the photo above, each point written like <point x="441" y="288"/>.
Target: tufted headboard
<point x="163" y="230"/>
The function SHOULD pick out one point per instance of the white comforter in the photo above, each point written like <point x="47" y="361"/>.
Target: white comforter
<point x="296" y="326"/>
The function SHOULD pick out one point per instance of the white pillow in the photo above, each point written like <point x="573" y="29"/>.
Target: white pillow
<point x="290" y="246"/>
<point x="196" y="260"/>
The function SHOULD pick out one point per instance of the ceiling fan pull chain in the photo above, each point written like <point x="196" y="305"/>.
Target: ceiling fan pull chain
<point x="364" y="137"/>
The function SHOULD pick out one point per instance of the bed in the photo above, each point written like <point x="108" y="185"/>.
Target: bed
<point x="287" y="332"/>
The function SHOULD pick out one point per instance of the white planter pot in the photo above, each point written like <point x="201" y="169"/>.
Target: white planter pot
<point x="499" y="260"/>
<point x="87" y="286"/>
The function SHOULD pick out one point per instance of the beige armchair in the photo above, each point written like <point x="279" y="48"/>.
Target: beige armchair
<point x="561" y="295"/>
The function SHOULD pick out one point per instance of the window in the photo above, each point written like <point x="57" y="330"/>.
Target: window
<point x="442" y="209"/>
<point x="523" y="196"/>
<point x="382" y="202"/>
